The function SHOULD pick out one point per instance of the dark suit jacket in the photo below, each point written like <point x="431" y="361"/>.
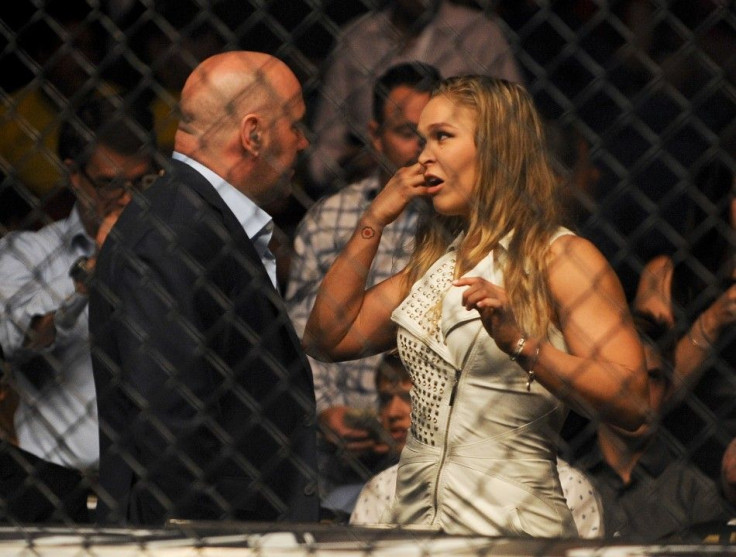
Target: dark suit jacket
<point x="205" y="398"/>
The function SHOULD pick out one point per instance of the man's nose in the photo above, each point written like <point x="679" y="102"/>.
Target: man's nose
<point x="424" y="155"/>
<point x="303" y="141"/>
<point x="395" y="406"/>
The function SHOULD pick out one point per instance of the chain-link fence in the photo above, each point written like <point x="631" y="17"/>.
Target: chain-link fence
<point x="640" y="102"/>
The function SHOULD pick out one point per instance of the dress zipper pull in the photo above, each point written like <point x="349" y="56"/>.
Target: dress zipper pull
<point x="454" y="387"/>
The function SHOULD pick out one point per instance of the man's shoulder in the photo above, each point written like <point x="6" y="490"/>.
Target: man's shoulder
<point x="362" y="21"/>
<point x="169" y="213"/>
<point x="464" y="16"/>
<point x="178" y="191"/>
<point x="44" y="240"/>
<point x="683" y="471"/>
<point x="362" y="191"/>
<point x="371" y="22"/>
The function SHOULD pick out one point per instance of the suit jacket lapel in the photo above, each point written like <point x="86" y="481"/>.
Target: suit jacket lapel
<point x="203" y="188"/>
<point x="200" y="185"/>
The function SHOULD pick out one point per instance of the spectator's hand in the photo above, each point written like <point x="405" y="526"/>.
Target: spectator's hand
<point x="338" y="432"/>
<point x="720" y="314"/>
<point x="106" y="225"/>
<point x="41" y="332"/>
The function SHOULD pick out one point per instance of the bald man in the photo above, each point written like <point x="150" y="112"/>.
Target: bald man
<point x="206" y="402"/>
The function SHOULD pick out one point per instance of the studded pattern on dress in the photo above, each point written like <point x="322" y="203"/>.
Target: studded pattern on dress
<point x="432" y="376"/>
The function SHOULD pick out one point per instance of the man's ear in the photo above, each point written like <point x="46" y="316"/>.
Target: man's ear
<point x="251" y="127"/>
<point x="374" y="129"/>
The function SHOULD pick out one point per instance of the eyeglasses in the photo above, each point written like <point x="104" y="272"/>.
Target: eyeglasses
<point x="115" y="187"/>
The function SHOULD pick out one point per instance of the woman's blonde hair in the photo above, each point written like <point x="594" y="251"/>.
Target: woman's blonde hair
<point x="516" y="192"/>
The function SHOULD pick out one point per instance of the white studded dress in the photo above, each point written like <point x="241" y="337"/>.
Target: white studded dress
<point x="480" y="456"/>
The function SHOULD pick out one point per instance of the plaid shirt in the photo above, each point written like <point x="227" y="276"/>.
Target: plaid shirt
<point x="320" y="237"/>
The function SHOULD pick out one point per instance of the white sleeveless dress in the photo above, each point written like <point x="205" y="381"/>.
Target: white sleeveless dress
<point x="480" y="457"/>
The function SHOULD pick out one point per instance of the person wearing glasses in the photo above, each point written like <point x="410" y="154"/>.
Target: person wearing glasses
<point x="108" y="150"/>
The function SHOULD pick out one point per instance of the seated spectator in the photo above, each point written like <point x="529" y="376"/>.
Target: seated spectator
<point x="455" y="39"/>
<point x="693" y="291"/>
<point x="388" y="430"/>
<point x="647" y="493"/>
<point x="398" y="98"/>
<point x="107" y="150"/>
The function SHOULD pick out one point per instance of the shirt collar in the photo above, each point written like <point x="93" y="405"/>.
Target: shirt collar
<point x="78" y="238"/>
<point x="255" y="221"/>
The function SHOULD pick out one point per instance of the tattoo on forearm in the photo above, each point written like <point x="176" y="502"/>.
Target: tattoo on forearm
<point x="367" y="232"/>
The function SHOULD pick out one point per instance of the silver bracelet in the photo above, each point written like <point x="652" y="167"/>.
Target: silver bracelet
<point x="530" y="372"/>
<point x="519" y="347"/>
<point x="694" y="342"/>
<point x="703" y="333"/>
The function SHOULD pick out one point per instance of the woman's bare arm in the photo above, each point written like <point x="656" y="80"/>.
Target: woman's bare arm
<point x="604" y="374"/>
<point x="348" y="322"/>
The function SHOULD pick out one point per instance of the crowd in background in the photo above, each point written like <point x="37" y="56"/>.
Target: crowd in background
<point x="638" y="103"/>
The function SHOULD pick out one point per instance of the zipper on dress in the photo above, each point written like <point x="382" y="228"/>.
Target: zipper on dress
<point x="454" y="387"/>
<point x="440" y="467"/>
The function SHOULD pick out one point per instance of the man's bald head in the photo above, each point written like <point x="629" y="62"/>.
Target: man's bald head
<point x="223" y="83"/>
<point x="229" y="105"/>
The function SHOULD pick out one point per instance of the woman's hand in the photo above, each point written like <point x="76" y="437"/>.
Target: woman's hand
<point x="495" y="311"/>
<point x="405" y="185"/>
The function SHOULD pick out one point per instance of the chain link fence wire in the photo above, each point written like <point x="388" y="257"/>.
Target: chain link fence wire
<point x="640" y="97"/>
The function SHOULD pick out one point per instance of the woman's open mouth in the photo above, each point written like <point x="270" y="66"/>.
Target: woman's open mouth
<point x="433" y="182"/>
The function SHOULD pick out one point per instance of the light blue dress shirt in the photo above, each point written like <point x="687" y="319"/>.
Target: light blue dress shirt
<point x="257" y="224"/>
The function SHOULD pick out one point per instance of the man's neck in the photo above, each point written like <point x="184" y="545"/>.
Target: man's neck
<point x="620" y="452"/>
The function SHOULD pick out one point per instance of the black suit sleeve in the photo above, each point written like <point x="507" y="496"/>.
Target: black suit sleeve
<point x="209" y="393"/>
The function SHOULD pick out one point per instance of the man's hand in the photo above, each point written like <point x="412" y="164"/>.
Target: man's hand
<point x="41" y="332"/>
<point x="106" y="225"/>
<point x="340" y="433"/>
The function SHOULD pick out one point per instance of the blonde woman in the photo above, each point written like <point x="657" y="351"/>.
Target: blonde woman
<point x="502" y="317"/>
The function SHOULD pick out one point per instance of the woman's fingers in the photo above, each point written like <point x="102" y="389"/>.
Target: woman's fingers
<point x="406" y="184"/>
<point x="480" y="293"/>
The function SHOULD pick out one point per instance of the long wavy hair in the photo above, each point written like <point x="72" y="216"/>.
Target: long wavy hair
<point x="516" y="191"/>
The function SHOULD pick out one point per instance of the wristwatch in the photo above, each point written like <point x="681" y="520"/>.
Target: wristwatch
<point x="79" y="271"/>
